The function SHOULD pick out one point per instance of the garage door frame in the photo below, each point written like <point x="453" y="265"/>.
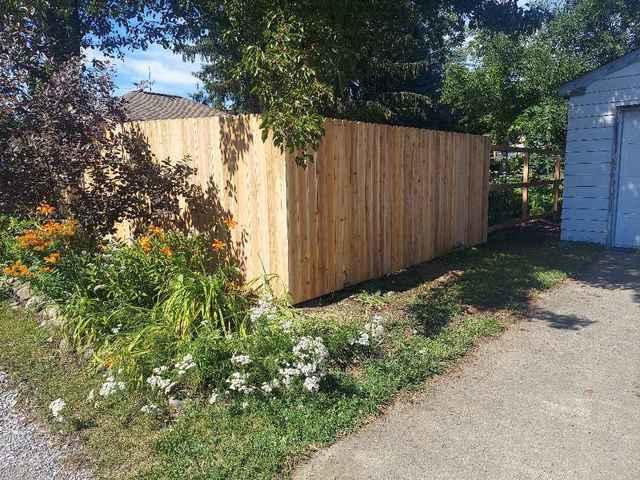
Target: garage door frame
<point x="615" y="170"/>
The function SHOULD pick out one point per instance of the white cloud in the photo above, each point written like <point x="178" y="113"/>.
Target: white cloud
<point x="169" y="72"/>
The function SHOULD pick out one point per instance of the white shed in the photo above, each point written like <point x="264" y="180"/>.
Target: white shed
<point x="602" y="167"/>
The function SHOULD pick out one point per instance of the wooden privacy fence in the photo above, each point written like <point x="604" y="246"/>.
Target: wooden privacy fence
<point x="524" y="182"/>
<point x="375" y="200"/>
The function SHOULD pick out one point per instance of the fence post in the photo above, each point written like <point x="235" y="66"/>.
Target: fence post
<point x="525" y="188"/>
<point x="556" y="188"/>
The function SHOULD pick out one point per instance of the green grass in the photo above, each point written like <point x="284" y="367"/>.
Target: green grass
<point x="429" y="330"/>
<point x="118" y="439"/>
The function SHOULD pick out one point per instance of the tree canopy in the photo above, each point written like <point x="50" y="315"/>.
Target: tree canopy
<point x="486" y="66"/>
<point x="507" y="85"/>
<point x="62" y="141"/>
<point x="296" y="62"/>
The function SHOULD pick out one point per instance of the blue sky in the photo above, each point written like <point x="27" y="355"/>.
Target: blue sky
<point x="169" y="72"/>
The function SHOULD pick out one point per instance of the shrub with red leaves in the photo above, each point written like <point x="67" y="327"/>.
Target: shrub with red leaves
<point x="62" y="141"/>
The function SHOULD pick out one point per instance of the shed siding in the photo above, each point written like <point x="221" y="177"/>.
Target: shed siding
<point x="589" y="154"/>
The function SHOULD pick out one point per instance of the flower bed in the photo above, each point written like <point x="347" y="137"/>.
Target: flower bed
<point x="169" y="315"/>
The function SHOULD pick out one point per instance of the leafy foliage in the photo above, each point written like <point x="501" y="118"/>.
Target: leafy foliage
<point x="507" y="85"/>
<point x="595" y="32"/>
<point x="109" y="26"/>
<point x="511" y="89"/>
<point x="262" y="436"/>
<point x="296" y="62"/>
<point x="63" y="142"/>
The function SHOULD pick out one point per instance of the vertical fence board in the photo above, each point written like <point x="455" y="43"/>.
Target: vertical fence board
<point x="376" y="199"/>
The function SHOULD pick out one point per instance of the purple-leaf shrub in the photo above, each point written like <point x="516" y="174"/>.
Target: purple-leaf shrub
<point x="63" y="141"/>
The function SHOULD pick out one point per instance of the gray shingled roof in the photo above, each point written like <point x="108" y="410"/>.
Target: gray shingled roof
<point x="575" y="87"/>
<point x="141" y="105"/>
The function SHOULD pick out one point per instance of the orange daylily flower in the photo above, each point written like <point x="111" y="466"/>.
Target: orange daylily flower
<point x="34" y="240"/>
<point x="53" y="258"/>
<point x="166" y="251"/>
<point x="42" y="238"/>
<point x="145" y="243"/>
<point x="45" y="209"/>
<point x="17" y="269"/>
<point x="218" y="245"/>
<point x="155" y="231"/>
<point x="230" y="223"/>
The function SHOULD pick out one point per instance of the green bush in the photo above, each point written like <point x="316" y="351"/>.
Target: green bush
<point x="169" y="314"/>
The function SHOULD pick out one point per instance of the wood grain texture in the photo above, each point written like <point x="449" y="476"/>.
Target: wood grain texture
<point x="387" y="198"/>
<point x="241" y="176"/>
<point x="375" y="200"/>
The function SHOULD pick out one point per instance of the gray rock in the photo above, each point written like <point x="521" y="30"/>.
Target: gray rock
<point x="50" y="316"/>
<point x="36" y="302"/>
<point x="23" y="292"/>
<point x="176" y="405"/>
<point x="87" y="354"/>
<point x="64" y="345"/>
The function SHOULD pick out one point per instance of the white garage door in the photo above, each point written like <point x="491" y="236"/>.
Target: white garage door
<point x="628" y="212"/>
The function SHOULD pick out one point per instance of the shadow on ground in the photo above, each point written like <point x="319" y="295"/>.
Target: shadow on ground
<point x="616" y="270"/>
<point x="501" y="275"/>
<point x="561" y="321"/>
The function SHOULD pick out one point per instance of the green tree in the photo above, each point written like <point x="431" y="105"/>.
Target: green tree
<point x="507" y="85"/>
<point x="596" y="31"/>
<point x="299" y="61"/>
<point x="107" y="25"/>
<point x="293" y="61"/>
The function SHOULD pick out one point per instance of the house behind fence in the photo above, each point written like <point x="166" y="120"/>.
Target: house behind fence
<point x="376" y="199"/>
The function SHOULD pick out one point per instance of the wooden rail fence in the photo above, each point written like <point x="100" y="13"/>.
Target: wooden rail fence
<point x="375" y="200"/>
<point x="526" y="184"/>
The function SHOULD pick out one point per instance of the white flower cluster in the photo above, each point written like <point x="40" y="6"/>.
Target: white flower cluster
<point x="263" y="309"/>
<point x="309" y="365"/>
<point x="371" y="334"/>
<point x="164" y="380"/>
<point x="239" y="382"/>
<point x="111" y="386"/>
<point x="287" y="375"/>
<point x="312" y="383"/>
<point x="240" y="360"/>
<point x="116" y="330"/>
<point x="56" y="408"/>
<point x="185" y="364"/>
<point x="150" y="409"/>
<point x="311" y="358"/>
<point x="269" y="387"/>
<point x="158" y="382"/>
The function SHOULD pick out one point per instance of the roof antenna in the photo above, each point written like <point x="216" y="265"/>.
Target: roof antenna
<point x="145" y="85"/>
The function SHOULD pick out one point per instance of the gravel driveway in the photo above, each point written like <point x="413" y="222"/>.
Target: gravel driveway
<point x="27" y="451"/>
<point x="555" y="398"/>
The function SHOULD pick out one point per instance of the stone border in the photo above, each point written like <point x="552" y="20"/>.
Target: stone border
<point x="23" y="296"/>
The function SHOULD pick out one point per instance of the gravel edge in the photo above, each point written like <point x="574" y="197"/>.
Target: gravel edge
<point x="28" y="451"/>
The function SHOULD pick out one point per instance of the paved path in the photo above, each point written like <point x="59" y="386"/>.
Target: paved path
<point x="555" y="398"/>
<point x="27" y="451"/>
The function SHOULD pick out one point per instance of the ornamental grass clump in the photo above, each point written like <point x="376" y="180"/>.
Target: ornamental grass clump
<point x="208" y="301"/>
